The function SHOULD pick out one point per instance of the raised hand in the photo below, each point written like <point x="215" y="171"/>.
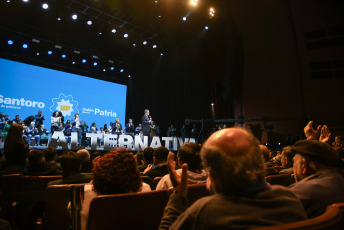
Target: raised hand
<point x="149" y="167"/>
<point x="325" y="135"/>
<point x="180" y="183"/>
<point x="310" y="132"/>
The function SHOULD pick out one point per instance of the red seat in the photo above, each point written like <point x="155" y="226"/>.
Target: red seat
<point x="56" y="214"/>
<point x="332" y="219"/>
<point x="127" y="211"/>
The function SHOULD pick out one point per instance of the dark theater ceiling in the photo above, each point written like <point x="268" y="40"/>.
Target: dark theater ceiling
<point x="153" y="28"/>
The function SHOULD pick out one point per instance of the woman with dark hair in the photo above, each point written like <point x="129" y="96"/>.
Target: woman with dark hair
<point x="114" y="173"/>
<point x="15" y="150"/>
<point x="55" y="120"/>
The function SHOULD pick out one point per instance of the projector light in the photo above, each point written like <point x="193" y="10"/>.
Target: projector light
<point x="89" y="23"/>
<point x="122" y="70"/>
<point x="25" y="46"/>
<point x="64" y="56"/>
<point x="83" y="60"/>
<point x="145" y="42"/>
<point x="113" y="30"/>
<point x="154" y="46"/>
<point x="95" y="64"/>
<point x="125" y="35"/>
<point x="45" y="6"/>
<point x="10" y="42"/>
<point x="74" y="16"/>
<point x="184" y="19"/>
<point x="50" y="52"/>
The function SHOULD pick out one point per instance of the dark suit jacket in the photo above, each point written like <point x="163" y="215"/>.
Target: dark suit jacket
<point x="159" y="171"/>
<point x="130" y="129"/>
<point x="145" y="125"/>
<point x="114" y="128"/>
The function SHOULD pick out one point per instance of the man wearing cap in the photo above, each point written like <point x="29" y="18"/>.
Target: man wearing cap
<point x="318" y="182"/>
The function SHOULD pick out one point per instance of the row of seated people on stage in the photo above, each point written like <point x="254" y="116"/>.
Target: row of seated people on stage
<point x="232" y="164"/>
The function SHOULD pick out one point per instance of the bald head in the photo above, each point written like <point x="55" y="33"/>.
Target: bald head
<point x="233" y="159"/>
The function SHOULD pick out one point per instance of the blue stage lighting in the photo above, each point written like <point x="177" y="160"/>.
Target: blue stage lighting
<point x="112" y="68"/>
<point x="50" y="52"/>
<point x="95" y="63"/>
<point x="83" y="60"/>
<point x="10" y="42"/>
<point x="64" y="56"/>
<point x="25" y="46"/>
<point x="122" y="70"/>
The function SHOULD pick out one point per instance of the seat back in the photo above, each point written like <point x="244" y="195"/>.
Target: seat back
<point x="282" y="179"/>
<point x="10" y="183"/>
<point x="56" y="214"/>
<point x="332" y="219"/>
<point x="157" y="179"/>
<point x="127" y="211"/>
<point x="196" y="191"/>
<point x="36" y="183"/>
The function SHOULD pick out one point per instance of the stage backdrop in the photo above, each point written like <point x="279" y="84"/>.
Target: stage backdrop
<point x="25" y="89"/>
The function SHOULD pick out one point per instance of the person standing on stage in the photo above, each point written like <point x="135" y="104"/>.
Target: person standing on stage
<point x="55" y="120"/>
<point x="130" y="128"/>
<point x="77" y="123"/>
<point x="153" y="128"/>
<point x="146" y="122"/>
<point x="39" y="119"/>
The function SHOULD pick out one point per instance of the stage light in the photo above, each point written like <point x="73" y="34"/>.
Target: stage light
<point x="144" y="42"/>
<point x="211" y="12"/>
<point x="100" y="33"/>
<point x="184" y="19"/>
<point x="129" y="76"/>
<point x="161" y="54"/>
<point x="125" y="35"/>
<point x="73" y="62"/>
<point x="156" y="1"/>
<point x="83" y="60"/>
<point x="113" y="30"/>
<point x="8" y="1"/>
<point x="95" y="64"/>
<point x="89" y="23"/>
<point x="37" y="54"/>
<point x="104" y="70"/>
<point x="159" y="16"/>
<point x="64" y="56"/>
<point x="122" y="70"/>
<point x="154" y="46"/>
<point x="45" y="6"/>
<point x="76" y="51"/>
<point x="58" y="19"/>
<point x="212" y="104"/>
<point x="193" y="2"/>
<point x="25" y="0"/>
<point x="75" y="16"/>
<point x="50" y="52"/>
<point x="36" y="40"/>
<point x="112" y="68"/>
<point x="134" y="44"/>
<point x="25" y="46"/>
<point x="206" y="27"/>
<point x="10" y="42"/>
<point x="58" y="47"/>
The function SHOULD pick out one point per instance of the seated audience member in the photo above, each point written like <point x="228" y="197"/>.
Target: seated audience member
<point x="318" y="181"/>
<point x="160" y="165"/>
<point x="189" y="154"/>
<point x="44" y="135"/>
<point x="37" y="165"/>
<point x="71" y="166"/>
<point x="242" y="199"/>
<point x="6" y="129"/>
<point x="114" y="173"/>
<point x="50" y="155"/>
<point x="139" y="158"/>
<point x="148" y="155"/>
<point x="287" y="160"/>
<point x="94" y="155"/>
<point x="85" y="160"/>
<point x="15" y="150"/>
<point x="32" y="132"/>
<point x="338" y="143"/>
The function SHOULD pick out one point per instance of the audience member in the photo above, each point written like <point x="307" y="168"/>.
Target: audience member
<point x="242" y="199"/>
<point x="318" y="181"/>
<point x="114" y="173"/>
<point x="338" y="142"/>
<point x="287" y="160"/>
<point x="71" y="166"/>
<point x="85" y="160"/>
<point x="148" y="155"/>
<point x="50" y="155"/>
<point x="189" y="153"/>
<point x="160" y="165"/>
<point x="15" y="150"/>
<point x="37" y="167"/>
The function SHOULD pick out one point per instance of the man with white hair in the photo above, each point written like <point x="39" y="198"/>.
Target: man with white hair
<point x="32" y="132"/>
<point x="241" y="200"/>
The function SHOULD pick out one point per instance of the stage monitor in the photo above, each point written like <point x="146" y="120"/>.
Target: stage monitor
<point x="25" y="89"/>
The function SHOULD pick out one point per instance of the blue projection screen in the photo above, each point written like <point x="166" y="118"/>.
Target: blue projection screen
<point x="25" y="89"/>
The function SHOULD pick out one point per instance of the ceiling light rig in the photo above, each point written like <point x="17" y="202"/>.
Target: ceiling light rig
<point x="211" y="12"/>
<point x="193" y="2"/>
